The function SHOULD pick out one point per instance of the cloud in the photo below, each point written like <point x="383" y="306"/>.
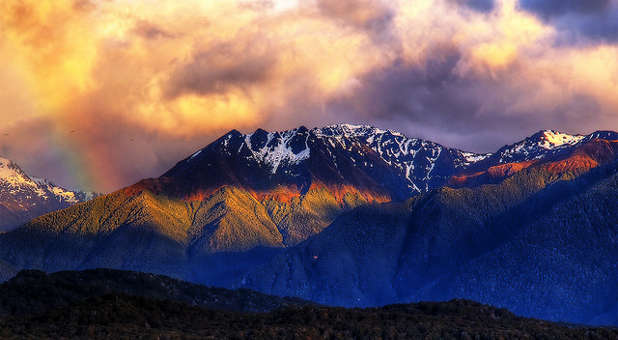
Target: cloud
<point x="149" y="30"/>
<point x="219" y="67"/>
<point x="478" y="5"/>
<point x="99" y="94"/>
<point x="84" y="5"/>
<point x="503" y="87"/>
<point x="579" y="21"/>
<point x="552" y="8"/>
<point x="434" y="93"/>
<point x="373" y="16"/>
<point x="419" y="92"/>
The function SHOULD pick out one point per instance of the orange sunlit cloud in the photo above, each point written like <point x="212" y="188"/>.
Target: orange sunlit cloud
<point x="117" y="90"/>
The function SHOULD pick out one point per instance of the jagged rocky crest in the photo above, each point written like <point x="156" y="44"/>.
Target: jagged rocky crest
<point x="388" y="160"/>
<point x="391" y="162"/>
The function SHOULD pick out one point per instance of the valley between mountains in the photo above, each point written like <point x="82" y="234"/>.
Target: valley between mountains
<point x="359" y="216"/>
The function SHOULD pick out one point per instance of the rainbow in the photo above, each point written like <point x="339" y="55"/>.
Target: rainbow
<point x="89" y="164"/>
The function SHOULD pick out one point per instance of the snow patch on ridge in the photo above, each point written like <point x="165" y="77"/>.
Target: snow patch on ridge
<point x="59" y="192"/>
<point x="278" y="149"/>
<point x="471" y="157"/>
<point x="12" y="175"/>
<point x="399" y="151"/>
<point x="539" y="145"/>
<point x="552" y="139"/>
<point x="196" y="154"/>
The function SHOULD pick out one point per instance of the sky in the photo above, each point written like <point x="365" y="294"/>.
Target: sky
<point x="97" y="94"/>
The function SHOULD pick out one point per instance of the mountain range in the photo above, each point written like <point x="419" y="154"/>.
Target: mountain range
<point x="360" y="216"/>
<point x="23" y="198"/>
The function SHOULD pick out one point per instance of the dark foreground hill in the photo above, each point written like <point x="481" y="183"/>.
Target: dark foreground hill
<point x="101" y="304"/>
<point x="33" y="292"/>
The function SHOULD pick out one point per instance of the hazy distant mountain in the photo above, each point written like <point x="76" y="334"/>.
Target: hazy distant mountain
<point x="405" y="215"/>
<point x="23" y="198"/>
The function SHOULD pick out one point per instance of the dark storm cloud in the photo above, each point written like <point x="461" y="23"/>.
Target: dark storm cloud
<point x="600" y="28"/>
<point x="430" y="92"/>
<point x="479" y="5"/>
<point x="578" y="20"/>
<point x="471" y="110"/>
<point x="552" y="8"/>
<point x="220" y="67"/>
<point x="372" y="16"/>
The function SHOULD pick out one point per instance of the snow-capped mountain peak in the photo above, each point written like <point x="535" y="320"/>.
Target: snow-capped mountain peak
<point x="357" y="153"/>
<point x="12" y="176"/>
<point x="23" y="197"/>
<point x="550" y="139"/>
<point x="420" y="165"/>
<point x="540" y="145"/>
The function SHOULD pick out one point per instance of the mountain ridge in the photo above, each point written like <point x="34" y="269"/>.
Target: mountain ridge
<point x="296" y="198"/>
